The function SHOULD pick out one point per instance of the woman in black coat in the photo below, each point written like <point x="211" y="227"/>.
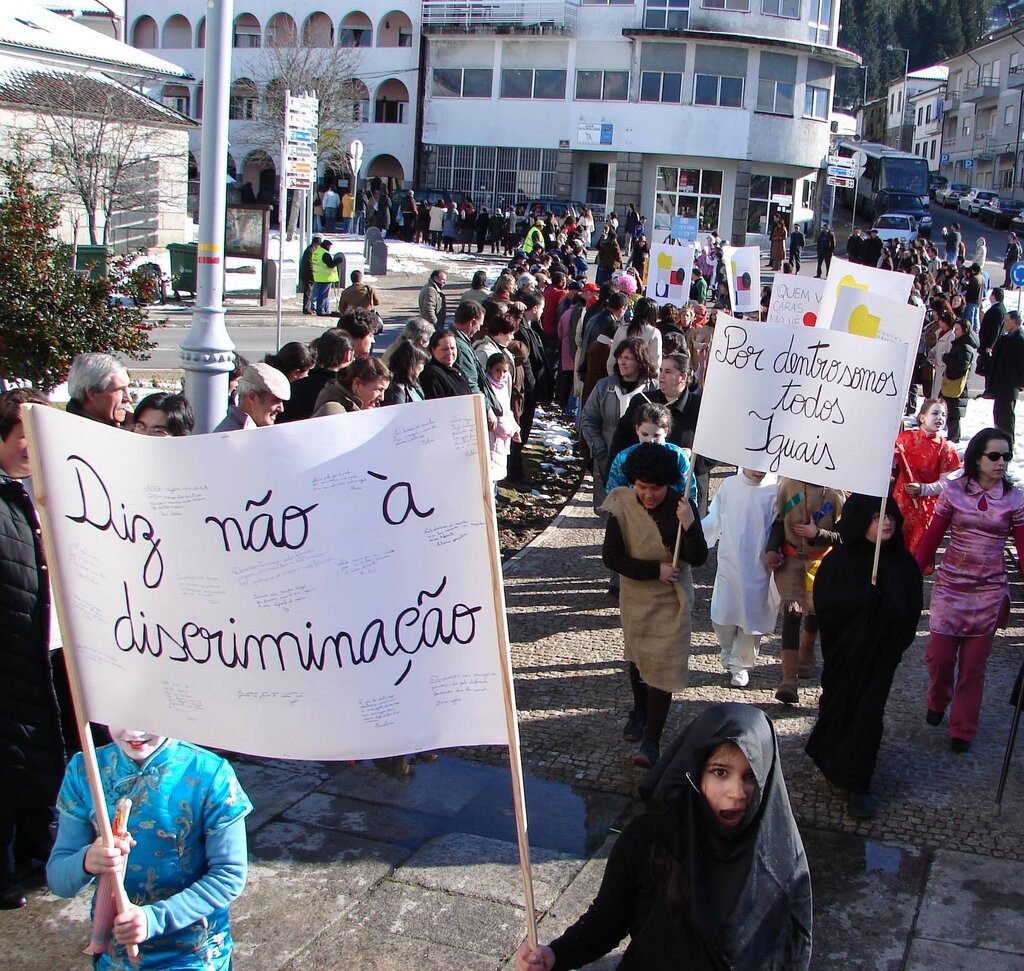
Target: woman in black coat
<point x="864" y="631"/>
<point x="440" y="377"/>
<point x="958" y="361"/>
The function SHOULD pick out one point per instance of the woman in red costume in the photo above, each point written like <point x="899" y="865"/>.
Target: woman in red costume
<point x="924" y="459"/>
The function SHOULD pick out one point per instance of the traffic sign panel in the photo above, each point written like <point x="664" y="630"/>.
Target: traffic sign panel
<point x="841" y="182"/>
<point x="1017" y="274"/>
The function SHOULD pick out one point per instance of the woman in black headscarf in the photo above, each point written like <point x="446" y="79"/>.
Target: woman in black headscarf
<point x="713" y="875"/>
<point x="864" y="631"/>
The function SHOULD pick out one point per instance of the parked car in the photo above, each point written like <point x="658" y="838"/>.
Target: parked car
<point x="1017" y="224"/>
<point x="908" y="205"/>
<point x="999" y="214"/>
<point x="950" y="195"/>
<point x="896" y="225"/>
<point x="445" y="195"/>
<point x="972" y="202"/>
<point x="936" y="182"/>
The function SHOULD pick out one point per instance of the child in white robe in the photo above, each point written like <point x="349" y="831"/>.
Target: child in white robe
<point x="744" y="602"/>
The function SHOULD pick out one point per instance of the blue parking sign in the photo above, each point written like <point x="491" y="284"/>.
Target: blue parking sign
<point x="1017" y="273"/>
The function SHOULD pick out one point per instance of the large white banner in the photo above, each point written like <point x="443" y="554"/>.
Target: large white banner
<point x="796" y="300"/>
<point x="821" y="406"/>
<point x="669" y="269"/>
<point x="843" y="274"/>
<point x="743" y="271"/>
<point x="327" y="589"/>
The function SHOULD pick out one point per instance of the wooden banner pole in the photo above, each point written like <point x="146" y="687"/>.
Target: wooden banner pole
<point x="505" y="657"/>
<point x="686" y="495"/>
<point x="92" y="770"/>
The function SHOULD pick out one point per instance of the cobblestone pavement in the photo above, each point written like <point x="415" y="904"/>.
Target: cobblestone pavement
<point x="573" y="695"/>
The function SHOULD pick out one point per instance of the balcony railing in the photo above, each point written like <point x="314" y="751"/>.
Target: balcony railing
<point x="500" y="17"/>
<point x="951" y="101"/>
<point x="1016" y="76"/>
<point x="986" y="88"/>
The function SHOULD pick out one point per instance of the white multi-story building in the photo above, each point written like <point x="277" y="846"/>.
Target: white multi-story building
<point x="926" y="109"/>
<point x="711" y="108"/>
<point x="379" y="43"/>
<point x="982" y="112"/>
<point x="901" y="116"/>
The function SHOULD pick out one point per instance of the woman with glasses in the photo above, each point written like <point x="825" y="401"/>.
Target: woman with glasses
<point x="164" y="415"/>
<point x="970" y="597"/>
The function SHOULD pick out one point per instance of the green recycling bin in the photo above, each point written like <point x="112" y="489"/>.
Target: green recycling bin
<point x="183" y="268"/>
<point x="91" y="260"/>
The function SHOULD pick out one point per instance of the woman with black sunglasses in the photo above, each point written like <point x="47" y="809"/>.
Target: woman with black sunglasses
<point x="970" y="598"/>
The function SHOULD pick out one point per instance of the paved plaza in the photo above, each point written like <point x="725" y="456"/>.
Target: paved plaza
<point x="387" y="866"/>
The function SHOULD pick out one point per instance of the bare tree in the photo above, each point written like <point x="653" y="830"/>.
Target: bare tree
<point x="105" y="143"/>
<point x="328" y="73"/>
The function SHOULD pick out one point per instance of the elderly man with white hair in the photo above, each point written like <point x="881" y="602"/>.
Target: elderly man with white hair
<point x="98" y="386"/>
<point x="261" y="393"/>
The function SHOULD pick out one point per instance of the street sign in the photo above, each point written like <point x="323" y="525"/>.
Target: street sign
<point x="1017" y="274"/>
<point x="968" y="163"/>
<point x="860" y="160"/>
<point x="944" y="157"/>
<point x="841" y="182"/>
<point x="840" y="171"/>
<point x="355" y="155"/>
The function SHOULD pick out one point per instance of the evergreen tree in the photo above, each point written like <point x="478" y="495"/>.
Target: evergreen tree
<point x="48" y="312"/>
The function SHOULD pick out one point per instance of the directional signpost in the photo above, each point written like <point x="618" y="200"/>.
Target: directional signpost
<point x="298" y="167"/>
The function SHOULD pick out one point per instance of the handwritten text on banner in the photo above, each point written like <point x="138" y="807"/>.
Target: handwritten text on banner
<point x="810" y="404"/>
<point x="322" y="590"/>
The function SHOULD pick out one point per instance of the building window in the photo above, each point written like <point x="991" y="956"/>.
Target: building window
<point x="816" y="102"/>
<point x="820" y="22"/>
<point x="769" y="196"/>
<point x="666" y="14"/>
<point x="694" y="193"/>
<point x="516" y="83"/>
<point x="1008" y="115"/>
<point x="606" y="3"/>
<point x="742" y="5"/>
<point x="496" y="177"/>
<point x="461" y="83"/>
<point x="663" y="86"/>
<point x="247" y="33"/>
<point x="723" y="92"/>
<point x="933" y="150"/>
<point x="355" y="37"/>
<point x="776" y="85"/>
<point x="405" y="36"/>
<point x="244" y="101"/>
<point x="781" y="8"/>
<point x="602" y="85"/>
<point x="719" y="73"/>
<point x="775" y="97"/>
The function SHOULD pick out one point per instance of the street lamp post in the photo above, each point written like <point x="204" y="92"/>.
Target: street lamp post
<point x="906" y="71"/>
<point x="207" y="353"/>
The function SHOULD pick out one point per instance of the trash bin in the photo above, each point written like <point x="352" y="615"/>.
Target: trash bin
<point x="183" y="268"/>
<point x="289" y="277"/>
<point x="91" y="260"/>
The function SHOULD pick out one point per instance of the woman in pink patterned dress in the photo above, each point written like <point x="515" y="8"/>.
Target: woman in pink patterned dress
<point x="970" y="598"/>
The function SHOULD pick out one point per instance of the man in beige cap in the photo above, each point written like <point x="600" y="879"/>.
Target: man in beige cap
<point x="262" y="391"/>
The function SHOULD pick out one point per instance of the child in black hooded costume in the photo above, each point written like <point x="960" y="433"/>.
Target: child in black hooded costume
<point x="713" y="875"/>
<point x="864" y="631"/>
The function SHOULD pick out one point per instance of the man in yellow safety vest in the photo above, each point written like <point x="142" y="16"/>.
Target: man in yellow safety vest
<point x="325" y="273"/>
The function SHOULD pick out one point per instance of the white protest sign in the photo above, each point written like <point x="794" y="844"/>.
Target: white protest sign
<point x="842" y="274"/>
<point x="870" y="315"/>
<point x="668" y="274"/>
<point x="810" y="404"/>
<point x="327" y="589"/>
<point x="743" y="271"/>
<point x="795" y="300"/>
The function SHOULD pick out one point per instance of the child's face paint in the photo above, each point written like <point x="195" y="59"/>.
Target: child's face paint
<point x="138" y="746"/>
<point x="728" y="784"/>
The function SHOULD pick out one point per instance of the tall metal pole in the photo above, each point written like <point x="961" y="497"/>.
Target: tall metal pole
<point x="207" y="353"/>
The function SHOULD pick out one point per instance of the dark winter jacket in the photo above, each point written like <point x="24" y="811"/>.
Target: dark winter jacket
<point x="1006" y="373"/>
<point x="31" y="742"/>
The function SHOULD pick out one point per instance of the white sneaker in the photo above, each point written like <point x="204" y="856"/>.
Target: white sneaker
<point x="740" y="679"/>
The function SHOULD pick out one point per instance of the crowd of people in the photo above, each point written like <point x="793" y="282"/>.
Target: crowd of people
<point x="629" y="372"/>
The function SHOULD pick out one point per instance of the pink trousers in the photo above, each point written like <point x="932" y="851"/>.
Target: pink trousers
<point x="964" y="658"/>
